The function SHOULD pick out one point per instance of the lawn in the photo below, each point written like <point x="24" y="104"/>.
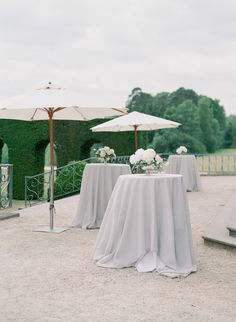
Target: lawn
<point x="225" y="151"/>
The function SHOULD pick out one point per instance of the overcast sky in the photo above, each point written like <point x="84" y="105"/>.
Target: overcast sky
<point x="105" y="48"/>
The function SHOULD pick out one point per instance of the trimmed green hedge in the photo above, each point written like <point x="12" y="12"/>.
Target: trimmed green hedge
<point x="27" y="142"/>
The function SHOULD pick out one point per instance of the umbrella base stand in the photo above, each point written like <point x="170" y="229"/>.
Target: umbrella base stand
<point x="51" y="228"/>
<point x="55" y="230"/>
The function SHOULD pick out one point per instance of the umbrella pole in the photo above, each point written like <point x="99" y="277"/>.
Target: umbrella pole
<point x="135" y="138"/>
<point x="51" y="207"/>
<point x="51" y="228"/>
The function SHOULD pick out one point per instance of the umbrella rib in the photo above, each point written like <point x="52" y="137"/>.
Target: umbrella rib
<point x="76" y="109"/>
<point x="35" y="111"/>
<point x="118" y="110"/>
<point x="58" y="109"/>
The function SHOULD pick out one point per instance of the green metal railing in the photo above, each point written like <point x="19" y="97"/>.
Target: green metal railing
<point x="6" y="185"/>
<point x="37" y="187"/>
<point x="67" y="182"/>
<point x="208" y="164"/>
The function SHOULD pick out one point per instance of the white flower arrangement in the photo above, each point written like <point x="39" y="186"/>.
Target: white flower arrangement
<point x="181" y="150"/>
<point x="105" y="154"/>
<point x="145" y="160"/>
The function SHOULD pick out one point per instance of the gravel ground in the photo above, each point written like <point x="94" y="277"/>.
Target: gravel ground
<point x="50" y="277"/>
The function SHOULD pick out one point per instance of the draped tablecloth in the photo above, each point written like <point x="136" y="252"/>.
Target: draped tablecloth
<point x="97" y="184"/>
<point x="187" y="166"/>
<point x="147" y="225"/>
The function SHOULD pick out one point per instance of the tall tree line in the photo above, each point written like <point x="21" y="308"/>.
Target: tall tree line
<point x="204" y="129"/>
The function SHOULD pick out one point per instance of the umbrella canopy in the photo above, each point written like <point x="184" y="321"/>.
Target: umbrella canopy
<point x="52" y="102"/>
<point x="135" y="121"/>
<point x="34" y="104"/>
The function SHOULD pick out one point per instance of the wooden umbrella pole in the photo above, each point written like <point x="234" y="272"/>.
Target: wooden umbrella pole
<point x="51" y="228"/>
<point x="51" y="208"/>
<point x="135" y="138"/>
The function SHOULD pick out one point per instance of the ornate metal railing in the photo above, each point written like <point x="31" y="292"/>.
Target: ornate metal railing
<point x="67" y="182"/>
<point x="68" y="178"/>
<point x="122" y="159"/>
<point x="208" y="164"/>
<point x="6" y="185"/>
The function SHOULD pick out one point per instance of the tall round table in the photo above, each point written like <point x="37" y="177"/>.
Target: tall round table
<point x="146" y="225"/>
<point x="97" y="184"/>
<point x="187" y="166"/>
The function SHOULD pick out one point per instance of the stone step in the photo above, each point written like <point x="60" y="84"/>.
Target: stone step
<point x="232" y="231"/>
<point x="8" y="215"/>
<point x="222" y="229"/>
<point x="232" y="222"/>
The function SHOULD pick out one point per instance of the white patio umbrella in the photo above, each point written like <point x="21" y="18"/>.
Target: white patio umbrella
<point x="52" y="102"/>
<point x="135" y="121"/>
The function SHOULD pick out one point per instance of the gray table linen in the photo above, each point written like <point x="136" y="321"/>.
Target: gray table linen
<point x="97" y="184"/>
<point x="187" y="166"/>
<point x="146" y="225"/>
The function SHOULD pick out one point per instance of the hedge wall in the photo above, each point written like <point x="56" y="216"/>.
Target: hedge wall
<point x="27" y="141"/>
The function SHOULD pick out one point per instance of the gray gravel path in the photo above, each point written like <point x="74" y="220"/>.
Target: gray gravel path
<point x="50" y="278"/>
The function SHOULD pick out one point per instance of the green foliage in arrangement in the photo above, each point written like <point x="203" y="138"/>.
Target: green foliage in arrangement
<point x="203" y="120"/>
<point x="68" y="181"/>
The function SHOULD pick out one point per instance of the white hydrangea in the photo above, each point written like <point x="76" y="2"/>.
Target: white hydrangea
<point x="148" y="156"/>
<point x="152" y="152"/>
<point x="182" y="149"/>
<point x="146" y="160"/>
<point x="106" y="149"/>
<point x="105" y="154"/>
<point x="133" y="159"/>
<point x="102" y="153"/>
<point x="158" y="159"/>
<point x="139" y="153"/>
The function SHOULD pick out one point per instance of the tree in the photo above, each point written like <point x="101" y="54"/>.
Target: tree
<point x="202" y="118"/>
<point x="182" y="94"/>
<point x="187" y="114"/>
<point x="211" y="136"/>
<point x="230" y="134"/>
<point x="169" y="140"/>
<point x="219" y="113"/>
<point x="139" y="101"/>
